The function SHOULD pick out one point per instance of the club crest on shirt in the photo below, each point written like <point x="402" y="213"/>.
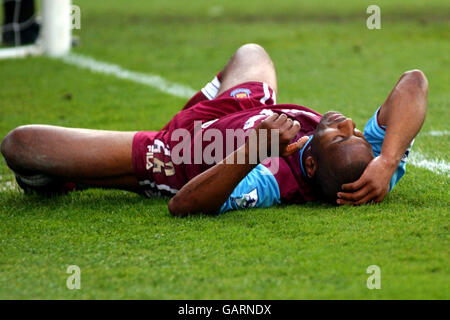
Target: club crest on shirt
<point x="240" y="93"/>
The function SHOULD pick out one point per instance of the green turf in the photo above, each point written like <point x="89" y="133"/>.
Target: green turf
<point x="129" y="247"/>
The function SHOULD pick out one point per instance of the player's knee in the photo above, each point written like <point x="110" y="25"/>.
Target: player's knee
<point x="252" y="51"/>
<point x="14" y="142"/>
<point x="417" y="79"/>
<point x="253" y="47"/>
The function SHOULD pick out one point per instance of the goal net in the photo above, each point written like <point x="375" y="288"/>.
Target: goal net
<point x="50" y="33"/>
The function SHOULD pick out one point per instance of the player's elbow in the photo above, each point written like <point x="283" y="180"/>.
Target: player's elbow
<point x="415" y="74"/>
<point x="181" y="206"/>
<point x="178" y="206"/>
<point x="416" y="80"/>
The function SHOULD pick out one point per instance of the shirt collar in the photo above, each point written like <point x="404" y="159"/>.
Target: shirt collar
<point x="301" y="154"/>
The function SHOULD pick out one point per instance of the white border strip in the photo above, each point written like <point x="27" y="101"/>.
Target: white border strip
<point x="150" y="80"/>
<point x="211" y="89"/>
<point x="266" y="93"/>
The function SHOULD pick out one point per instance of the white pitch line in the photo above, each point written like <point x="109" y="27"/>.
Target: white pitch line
<point x="151" y="80"/>
<point x="438" y="166"/>
<point x="437" y="133"/>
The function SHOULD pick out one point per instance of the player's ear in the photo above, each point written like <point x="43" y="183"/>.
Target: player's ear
<point x="310" y="166"/>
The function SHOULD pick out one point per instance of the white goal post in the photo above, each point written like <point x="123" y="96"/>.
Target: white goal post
<point x="55" y="37"/>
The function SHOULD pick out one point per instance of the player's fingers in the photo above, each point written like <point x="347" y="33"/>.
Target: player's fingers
<point x="355" y="196"/>
<point x="300" y="143"/>
<point x="371" y="196"/>
<point x="295" y="128"/>
<point x="342" y="202"/>
<point x="354" y="185"/>
<point x="379" y="198"/>
<point x="271" y="118"/>
<point x="282" y="118"/>
<point x="296" y="146"/>
<point x="287" y="125"/>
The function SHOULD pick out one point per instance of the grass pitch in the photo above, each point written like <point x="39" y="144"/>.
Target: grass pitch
<point x="128" y="246"/>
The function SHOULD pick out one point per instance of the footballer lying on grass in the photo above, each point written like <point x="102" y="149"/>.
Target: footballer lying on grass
<point x="320" y="157"/>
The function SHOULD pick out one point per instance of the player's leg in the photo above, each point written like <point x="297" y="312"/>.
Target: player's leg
<point x="249" y="63"/>
<point x="91" y="157"/>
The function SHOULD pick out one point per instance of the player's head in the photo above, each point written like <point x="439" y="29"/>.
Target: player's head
<point x="339" y="154"/>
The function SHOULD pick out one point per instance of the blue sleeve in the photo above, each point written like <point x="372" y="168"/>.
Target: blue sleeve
<point x="374" y="134"/>
<point x="259" y="189"/>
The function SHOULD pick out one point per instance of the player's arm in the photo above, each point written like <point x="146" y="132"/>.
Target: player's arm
<point x="208" y="191"/>
<point x="402" y="114"/>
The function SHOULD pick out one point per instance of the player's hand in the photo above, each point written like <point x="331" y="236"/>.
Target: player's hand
<point x="372" y="186"/>
<point x="287" y="129"/>
<point x="295" y="146"/>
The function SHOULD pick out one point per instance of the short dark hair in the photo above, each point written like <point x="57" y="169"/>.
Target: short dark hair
<point x="330" y="183"/>
<point x="331" y="175"/>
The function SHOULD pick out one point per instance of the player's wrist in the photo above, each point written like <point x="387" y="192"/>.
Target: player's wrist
<point x="390" y="161"/>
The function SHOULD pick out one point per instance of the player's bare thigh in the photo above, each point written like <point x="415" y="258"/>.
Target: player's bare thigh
<point x="249" y="63"/>
<point x="81" y="155"/>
